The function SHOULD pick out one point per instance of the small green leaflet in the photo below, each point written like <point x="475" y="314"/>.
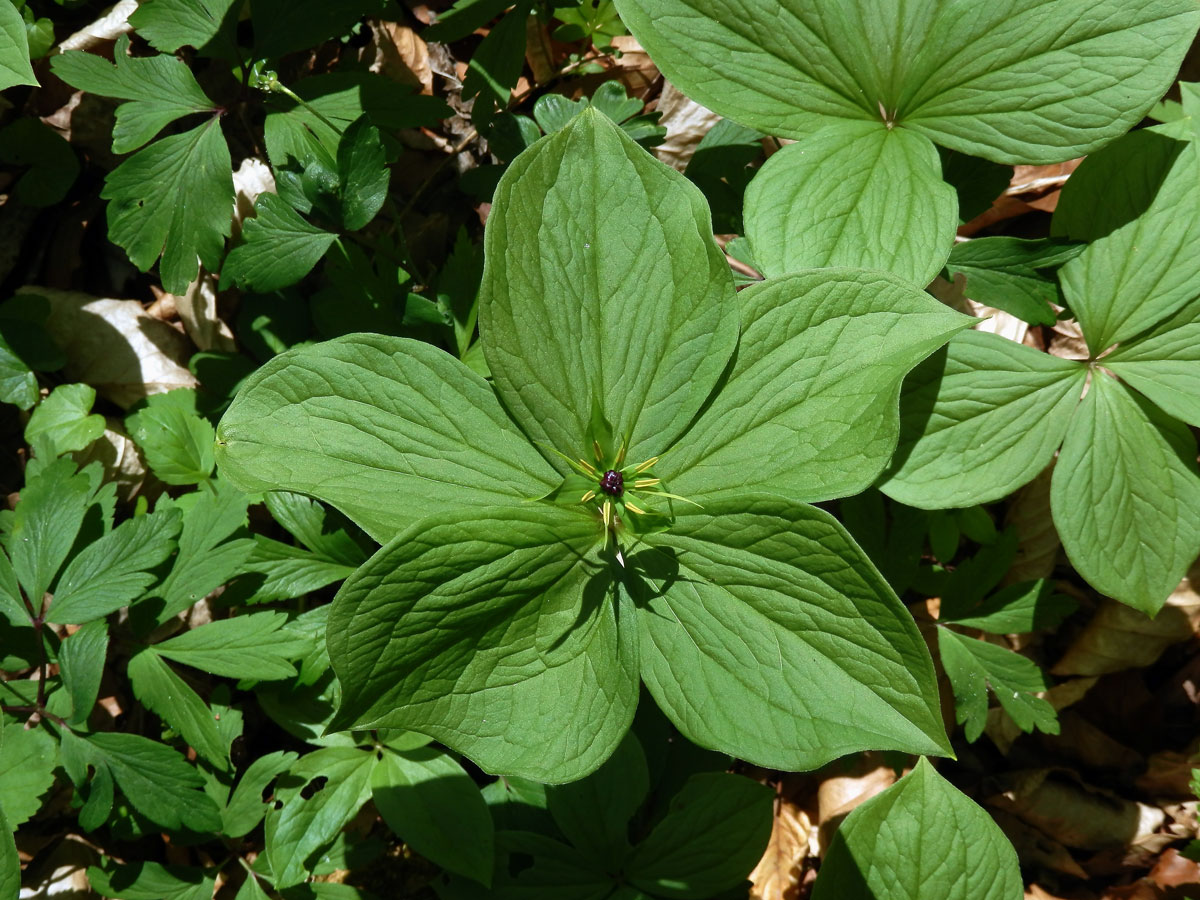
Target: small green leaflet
<point x="279" y="248"/>
<point x="45" y="524"/>
<point x="853" y="194"/>
<point x="26" y="771"/>
<point x="81" y="664"/>
<point x="246" y="646"/>
<point x="207" y="25"/>
<point x="151" y="881"/>
<point x="173" y="199"/>
<point x="169" y="697"/>
<point x="63" y="419"/>
<point x="14" y="60"/>
<point x="177" y="442"/>
<point x="919" y="838"/>
<point x="1008" y="273"/>
<point x="973" y="666"/>
<point x="159" y="90"/>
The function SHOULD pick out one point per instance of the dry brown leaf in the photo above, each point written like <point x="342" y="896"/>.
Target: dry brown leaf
<point x="115" y="347"/>
<point x="252" y="179"/>
<point x="1068" y="342"/>
<point x="538" y="52"/>
<point x="197" y="310"/>
<point x="838" y="795"/>
<point x="686" y="121"/>
<point x="634" y="66"/>
<point x="1169" y="773"/>
<point x="1172" y="870"/>
<point x="1060" y="805"/>
<point x="120" y="458"/>
<point x="1119" y="637"/>
<point x="1139" y="890"/>
<point x="781" y="870"/>
<point x="402" y="56"/>
<point x="1037" y="893"/>
<point x="110" y="26"/>
<point x="1041" y="186"/>
<point x="1037" y="539"/>
<point x="1035" y="849"/>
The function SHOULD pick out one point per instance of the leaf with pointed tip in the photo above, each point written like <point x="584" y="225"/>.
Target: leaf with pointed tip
<point x="1006" y="273"/>
<point x="45" y="524"/>
<point x="387" y="430"/>
<point x="602" y="285"/>
<point x="1134" y="202"/>
<point x="978" y="420"/>
<point x="767" y="634"/>
<point x="495" y="631"/>
<point x="1164" y="364"/>
<point x="158" y="90"/>
<point x="81" y="664"/>
<point x="26" y="770"/>
<point x="246" y="646"/>
<point x="809" y="409"/>
<point x="1028" y="81"/>
<point x="14" y="62"/>
<point x="170" y="698"/>
<point x="920" y="838"/>
<point x="207" y="25"/>
<point x="172" y="199"/>
<point x="1126" y="496"/>
<point x="973" y="666"/>
<point x="278" y="248"/>
<point x="853" y="194"/>
<point x="715" y="830"/>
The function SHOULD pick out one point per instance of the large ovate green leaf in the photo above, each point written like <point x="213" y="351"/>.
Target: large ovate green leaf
<point x="921" y="838"/>
<point x="809" y="409"/>
<point x="1164" y="364"/>
<point x="602" y="287"/>
<point x="1030" y="81"/>
<point x="496" y="632"/>
<point x="1126" y="496"/>
<point x="1135" y="203"/>
<point x="853" y="194"/>
<point x="387" y="430"/>
<point x="978" y="420"/>
<point x="172" y="199"/>
<point x="767" y="634"/>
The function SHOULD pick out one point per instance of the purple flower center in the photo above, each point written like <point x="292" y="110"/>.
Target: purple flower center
<point x="612" y="483"/>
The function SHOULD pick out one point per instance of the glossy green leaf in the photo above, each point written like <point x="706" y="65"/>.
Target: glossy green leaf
<point x="494" y="631"/>
<point x="250" y="645"/>
<point x="154" y="778"/>
<point x="1031" y="81"/>
<point x="973" y="666"/>
<point x="322" y="531"/>
<point x="430" y="803"/>
<point x="1126" y="496"/>
<point x="10" y="861"/>
<point x="376" y="427"/>
<point x="63" y="419"/>
<point x="45" y="524"/>
<point x="289" y="571"/>
<point x="1164" y="364"/>
<point x="151" y="881"/>
<point x="1006" y="273"/>
<point x="207" y="25"/>
<point x="279" y="247"/>
<point x="853" y="194"/>
<point x="177" y="442"/>
<point x="169" y="697"/>
<point x="1018" y="608"/>
<point x="14" y="58"/>
<point x="12" y="607"/>
<point x="594" y="812"/>
<point x="978" y="420"/>
<point x="305" y="824"/>
<point x="713" y="834"/>
<point x="27" y="763"/>
<point x="1135" y="203"/>
<point x="809" y="409"/>
<point x="81" y="664"/>
<point x="362" y="169"/>
<point x="173" y="199"/>
<point x="496" y="64"/>
<point x="159" y="90"/>
<point x="767" y="634"/>
<point x="246" y="808"/>
<point x="206" y="558"/>
<point x="602" y="285"/>
<point x="920" y="838"/>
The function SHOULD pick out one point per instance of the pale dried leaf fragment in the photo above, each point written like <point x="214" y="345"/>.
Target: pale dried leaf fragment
<point x="120" y="458"/>
<point x="1038" y="542"/>
<point x="839" y="795"/>
<point x="1076" y="814"/>
<point x="1035" y="849"/>
<point x="109" y="27"/>
<point x="686" y="121"/>
<point x="1119" y="637"/>
<point x="252" y="179"/>
<point x="197" y="310"/>
<point x="781" y="870"/>
<point x="634" y="66"/>
<point x="402" y="56"/>
<point x="115" y="347"/>
<point x="1068" y="341"/>
<point x="1037" y="893"/>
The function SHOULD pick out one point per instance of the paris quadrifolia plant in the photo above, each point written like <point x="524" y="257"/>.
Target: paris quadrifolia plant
<point x="627" y="501"/>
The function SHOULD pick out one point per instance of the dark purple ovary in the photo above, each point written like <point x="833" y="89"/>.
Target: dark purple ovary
<point x="612" y="483"/>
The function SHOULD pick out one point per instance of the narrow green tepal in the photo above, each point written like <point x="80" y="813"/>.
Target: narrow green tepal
<point x="515" y="610"/>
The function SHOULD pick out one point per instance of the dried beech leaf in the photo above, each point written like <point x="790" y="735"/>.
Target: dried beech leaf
<point x="781" y="870"/>
<point x="686" y="121"/>
<point x="1037" y="540"/>
<point x="115" y="347"/>
<point x="403" y="56"/>
<point x="197" y="310"/>
<point x="1035" y="849"/>
<point x="108" y="27"/>
<point x="1119" y="637"/>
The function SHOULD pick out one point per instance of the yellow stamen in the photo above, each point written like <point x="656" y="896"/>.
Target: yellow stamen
<point x="591" y="470"/>
<point x="590" y="495"/>
<point x="599" y="453"/>
<point x="620" y="457"/>
<point x="629" y="506"/>
<point x="644" y="466"/>
<point x="646" y="483"/>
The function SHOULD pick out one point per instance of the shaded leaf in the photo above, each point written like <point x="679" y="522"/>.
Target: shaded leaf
<point x="279" y="248"/>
